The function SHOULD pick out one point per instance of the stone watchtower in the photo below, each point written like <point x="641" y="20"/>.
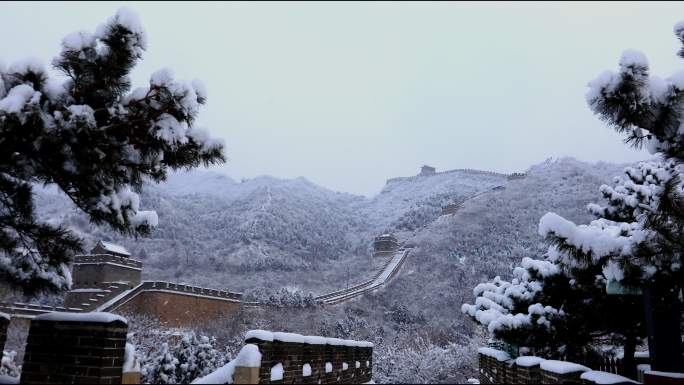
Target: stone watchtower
<point x="427" y="170"/>
<point x="385" y="244"/>
<point x="101" y="275"/>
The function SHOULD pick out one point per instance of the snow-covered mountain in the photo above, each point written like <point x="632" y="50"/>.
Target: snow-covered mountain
<point x="266" y="231"/>
<point x="409" y="203"/>
<point x="486" y="236"/>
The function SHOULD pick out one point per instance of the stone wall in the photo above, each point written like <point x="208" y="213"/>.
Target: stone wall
<point x="176" y="309"/>
<point x="349" y="364"/>
<point x="74" y="350"/>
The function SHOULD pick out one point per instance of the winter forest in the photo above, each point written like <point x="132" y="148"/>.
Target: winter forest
<point x="272" y="223"/>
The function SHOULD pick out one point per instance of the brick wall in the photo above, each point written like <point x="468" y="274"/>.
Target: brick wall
<point x="494" y="371"/>
<point x="506" y="371"/>
<point x="548" y="377"/>
<point x="4" y="324"/>
<point x="176" y="310"/>
<point x="528" y="374"/>
<point x="293" y="356"/>
<point x="74" y="352"/>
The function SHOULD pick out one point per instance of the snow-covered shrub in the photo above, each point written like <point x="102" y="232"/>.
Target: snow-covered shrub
<point x="418" y="361"/>
<point x="281" y="298"/>
<point x="160" y="366"/>
<point x="172" y="355"/>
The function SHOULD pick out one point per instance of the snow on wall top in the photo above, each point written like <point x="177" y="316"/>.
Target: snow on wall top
<point x="665" y="374"/>
<point x="598" y="377"/>
<point x="114" y="248"/>
<point x="5" y="316"/>
<point x="562" y="367"/>
<point x="265" y="335"/>
<point x="248" y="356"/>
<point x="498" y="354"/>
<point x="81" y="317"/>
<point x="527" y="361"/>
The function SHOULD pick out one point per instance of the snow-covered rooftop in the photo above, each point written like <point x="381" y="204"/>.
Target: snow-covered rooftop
<point x="114" y="248"/>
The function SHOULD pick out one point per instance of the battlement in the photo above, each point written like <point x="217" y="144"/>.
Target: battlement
<point x="107" y="258"/>
<point x="91" y="271"/>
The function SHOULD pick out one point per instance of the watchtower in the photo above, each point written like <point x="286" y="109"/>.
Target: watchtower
<point x="385" y="244"/>
<point x="427" y="170"/>
<point x="100" y="275"/>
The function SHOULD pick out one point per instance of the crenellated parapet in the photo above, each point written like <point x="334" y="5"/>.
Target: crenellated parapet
<point x="288" y="358"/>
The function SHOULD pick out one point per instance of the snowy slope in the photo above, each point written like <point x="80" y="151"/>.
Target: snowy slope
<point x="409" y="203"/>
<point x="486" y="236"/>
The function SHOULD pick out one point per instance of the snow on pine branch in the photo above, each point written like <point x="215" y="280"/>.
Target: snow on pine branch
<point x="599" y="239"/>
<point x="500" y="305"/>
<point x="620" y="239"/>
<point x="645" y="108"/>
<point x="85" y="132"/>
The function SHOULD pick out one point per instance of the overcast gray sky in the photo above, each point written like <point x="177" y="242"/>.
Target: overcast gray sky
<point x="350" y="94"/>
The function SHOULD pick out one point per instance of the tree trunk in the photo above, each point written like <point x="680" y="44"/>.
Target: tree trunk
<point x="628" y="362"/>
<point x="663" y="317"/>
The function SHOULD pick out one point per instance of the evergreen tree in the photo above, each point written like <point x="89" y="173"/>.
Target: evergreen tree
<point x="208" y="357"/>
<point x="560" y="304"/>
<point x="186" y="354"/>
<point x="648" y="111"/>
<point x="160" y="367"/>
<point x="88" y="134"/>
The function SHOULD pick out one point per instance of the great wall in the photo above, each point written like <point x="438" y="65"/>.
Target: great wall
<point x="109" y="280"/>
<point x="423" y="174"/>
<point x="118" y="289"/>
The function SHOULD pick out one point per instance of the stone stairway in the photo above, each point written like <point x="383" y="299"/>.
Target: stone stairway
<point x="90" y="299"/>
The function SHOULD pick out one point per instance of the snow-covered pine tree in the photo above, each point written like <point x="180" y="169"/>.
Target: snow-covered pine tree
<point x="552" y="310"/>
<point x="89" y="135"/>
<point x="186" y="354"/>
<point x="160" y="367"/>
<point x="208" y="357"/>
<point x="566" y="294"/>
<point x="648" y="111"/>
